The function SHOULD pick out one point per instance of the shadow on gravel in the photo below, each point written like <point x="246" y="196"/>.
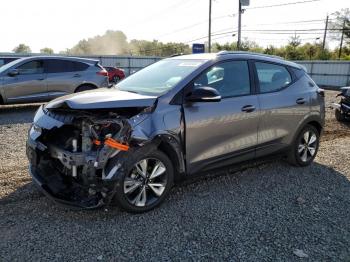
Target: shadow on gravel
<point x="263" y="212"/>
<point x="17" y="114"/>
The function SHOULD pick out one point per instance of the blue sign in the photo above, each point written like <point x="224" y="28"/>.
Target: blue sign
<point x="198" y="48"/>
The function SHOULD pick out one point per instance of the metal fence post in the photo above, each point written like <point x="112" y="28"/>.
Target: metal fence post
<point x="348" y="78"/>
<point x="129" y="65"/>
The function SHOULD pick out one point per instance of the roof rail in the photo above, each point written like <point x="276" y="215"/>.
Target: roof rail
<point x="224" y="52"/>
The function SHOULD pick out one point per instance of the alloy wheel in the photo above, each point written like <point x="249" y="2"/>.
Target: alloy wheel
<point x="146" y="182"/>
<point x="307" y="146"/>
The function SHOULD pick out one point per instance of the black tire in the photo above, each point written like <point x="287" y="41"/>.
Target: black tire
<point x="339" y="115"/>
<point x="297" y="157"/>
<point x="116" y="79"/>
<point x="84" y="88"/>
<point x="123" y="200"/>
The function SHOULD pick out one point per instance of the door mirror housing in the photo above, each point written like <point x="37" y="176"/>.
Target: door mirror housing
<point x="203" y="94"/>
<point x="13" y="72"/>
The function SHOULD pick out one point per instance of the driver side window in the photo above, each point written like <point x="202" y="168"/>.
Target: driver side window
<point x="228" y="78"/>
<point x="32" y="67"/>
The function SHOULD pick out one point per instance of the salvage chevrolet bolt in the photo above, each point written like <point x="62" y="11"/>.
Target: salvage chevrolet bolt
<point x="173" y="119"/>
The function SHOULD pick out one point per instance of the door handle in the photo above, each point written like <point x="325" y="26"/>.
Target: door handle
<point x="77" y="75"/>
<point x="41" y="79"/>
<point x="300" y="101"/>
<point x="248" y="108"/>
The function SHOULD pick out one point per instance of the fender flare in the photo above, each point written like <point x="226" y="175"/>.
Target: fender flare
<point x="170" y="144"/>
<point x="307" y="120"/>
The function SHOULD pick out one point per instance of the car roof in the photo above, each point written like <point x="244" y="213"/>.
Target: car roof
<point x="69" y="58"/>
<point x="224" y="55"/>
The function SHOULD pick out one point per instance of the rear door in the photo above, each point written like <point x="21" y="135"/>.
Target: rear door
<point x="63" y="76"/>
<point x="283" y="102"/>
<point x="225" y="130"/>
<point x="29" y="85"/>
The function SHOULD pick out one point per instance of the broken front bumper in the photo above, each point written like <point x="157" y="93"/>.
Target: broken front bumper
<point x="64" y="189"/>
<point x="45" y="186"/>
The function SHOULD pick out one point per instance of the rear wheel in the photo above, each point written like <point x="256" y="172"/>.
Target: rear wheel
<point x="339" y="115"/>
<point x="146" y="183"/>
<point x="85" y="88"/>
<point x="305" y="147"/>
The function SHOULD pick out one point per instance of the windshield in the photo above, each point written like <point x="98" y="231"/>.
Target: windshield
<point x="160" y="77"/>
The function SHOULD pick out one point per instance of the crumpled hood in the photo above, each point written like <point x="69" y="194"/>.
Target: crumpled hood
<point x="102" y="99"/>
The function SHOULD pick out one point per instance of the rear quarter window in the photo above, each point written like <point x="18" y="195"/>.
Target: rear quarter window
<point x="299" y="73"/>
<point x="63" y="66"/>
<point x="78" y="66"/>
<point x="272" y="77"/>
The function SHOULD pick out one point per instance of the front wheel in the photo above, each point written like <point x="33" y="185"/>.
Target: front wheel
<point x="145" y="183"/>
<point x="305" y="147"/>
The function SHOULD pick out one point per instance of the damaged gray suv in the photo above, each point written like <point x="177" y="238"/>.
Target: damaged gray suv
<point x="169" y="121"/>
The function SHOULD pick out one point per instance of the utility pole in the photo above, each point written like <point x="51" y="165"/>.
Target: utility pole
<point x="209" y="33"/>
<point x="239" y="24"/>
<point x="341" y="40"/>
<point x="325" y="34"/>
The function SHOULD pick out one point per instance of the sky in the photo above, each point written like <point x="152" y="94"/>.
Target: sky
<point x="61" y="24"/>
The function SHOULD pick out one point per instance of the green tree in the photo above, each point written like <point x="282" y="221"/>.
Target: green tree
<point x="292" y="50"/>
<point x="22" y="48"/>
<point x="341" y="18"/>
<point x="47" y="50"/>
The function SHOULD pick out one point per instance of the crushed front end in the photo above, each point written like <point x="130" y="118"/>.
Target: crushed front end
<point x="68" y="150"/>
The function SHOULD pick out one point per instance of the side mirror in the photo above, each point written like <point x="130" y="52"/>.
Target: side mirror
<point x="203" y="94"/>
<point x="13" y="72"/>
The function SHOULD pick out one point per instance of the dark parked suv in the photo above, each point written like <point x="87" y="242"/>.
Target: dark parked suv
<point x="170" y="120"/>
<point x="43" y="78"/>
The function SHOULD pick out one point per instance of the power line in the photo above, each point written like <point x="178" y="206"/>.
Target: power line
<point x="277" y="5"/>
<point x="193" y="25"/>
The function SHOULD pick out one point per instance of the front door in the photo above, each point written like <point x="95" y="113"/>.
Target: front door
<point x="28" y="86"/>
<point x="225" y="130"/>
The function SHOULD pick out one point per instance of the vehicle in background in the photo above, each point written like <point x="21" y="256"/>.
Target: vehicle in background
<point x="43" y="78"/>
<point x="114" y="74"/>
<point x="171" y="120"/>
<point x="6" y="60"/>
<point x="342" y="109"/>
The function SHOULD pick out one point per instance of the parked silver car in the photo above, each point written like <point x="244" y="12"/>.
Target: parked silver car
<point x="169" y="121"/>
<point x="42" y="78"/>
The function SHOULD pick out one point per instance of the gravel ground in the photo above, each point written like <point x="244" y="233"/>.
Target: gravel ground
<point x="267" y="211"/>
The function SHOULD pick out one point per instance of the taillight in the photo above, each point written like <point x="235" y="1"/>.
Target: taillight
<point x="103" y="72"/>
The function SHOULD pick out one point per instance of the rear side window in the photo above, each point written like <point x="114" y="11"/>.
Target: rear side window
<point x="63" y="66"/>
<point x="229" y="78"/>
<point x="32" y="67"/>
<point x="299" y="73"/>
<point x="272" y="77"/>
<point x="78" y="66"/>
